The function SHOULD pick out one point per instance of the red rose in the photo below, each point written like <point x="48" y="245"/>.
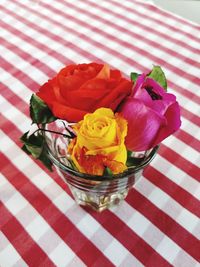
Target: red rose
<point x="79" y="89"/>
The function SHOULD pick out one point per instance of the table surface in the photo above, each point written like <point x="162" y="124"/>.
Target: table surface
<point x="186" y="8"/>
<point x="40" y="224"/>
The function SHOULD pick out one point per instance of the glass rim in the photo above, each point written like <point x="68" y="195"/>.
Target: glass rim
<point x="129" y="171"/>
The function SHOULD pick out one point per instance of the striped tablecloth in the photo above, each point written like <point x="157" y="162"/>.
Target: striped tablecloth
<point x="40" y="224"/>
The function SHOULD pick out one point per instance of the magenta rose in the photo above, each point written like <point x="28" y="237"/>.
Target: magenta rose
<point x="152" y="114"/>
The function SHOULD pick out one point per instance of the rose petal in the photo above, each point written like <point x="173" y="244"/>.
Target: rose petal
<point x="144" y="96"/>
<point x="46" y="93"/>
<point x="87" y="71"/>
<point x="161" y="106"/>
<point x="143" y="125"/>
<point x="167" y="98"/>
<point x="67" y="113"/>
<point x="88" y="95"/>
<point x="173" y="123"/>
<point x="156" y="86"/>
<point x="104" y="73"/>
<point x="116" y="75"/>
<point x="95" y="85"/>
<point x="114" y="98"/>
<point x="73" y="76"/>
<point x="158" y="105"/>
<point x="69" y="83"/>
<point x="138" y="84"/>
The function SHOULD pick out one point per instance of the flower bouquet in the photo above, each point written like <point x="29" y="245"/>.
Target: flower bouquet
<point x="100" y="129"/>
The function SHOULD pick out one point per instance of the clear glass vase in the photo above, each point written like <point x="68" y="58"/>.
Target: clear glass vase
<point x="97" y="192"/>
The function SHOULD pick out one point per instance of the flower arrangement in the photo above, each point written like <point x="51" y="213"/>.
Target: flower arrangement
<point x="106" y="116"/>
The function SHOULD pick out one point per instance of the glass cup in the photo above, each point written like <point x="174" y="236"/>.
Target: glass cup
<point x="97" y="192"/>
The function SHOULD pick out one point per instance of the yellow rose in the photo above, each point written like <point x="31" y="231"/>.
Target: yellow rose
<point x="100" y="143"/>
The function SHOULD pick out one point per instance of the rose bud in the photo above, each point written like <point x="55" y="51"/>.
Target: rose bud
<point x="152" y="115"/>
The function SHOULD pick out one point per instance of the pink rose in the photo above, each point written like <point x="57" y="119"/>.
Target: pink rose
<point x="152" y="114"/>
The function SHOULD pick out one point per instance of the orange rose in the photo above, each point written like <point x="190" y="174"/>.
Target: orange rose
<point x="80" y="89"/>
<point x="100" y="143"/>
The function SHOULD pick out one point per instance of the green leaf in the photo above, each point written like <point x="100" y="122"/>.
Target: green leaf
<point x="134" y="76"/>
<point x="26" y="150"/>
<point x="39" y="111"/>
<point x="129" y="153"/>
<point x="134" y="161"/>
<point x="107" y="172"/>
<point x="24" y="137"/>
<point x="131" y="161"/>
<point x="158" y="75"/>
<point x="35" y="145"/>
<point x="44" y="159"/>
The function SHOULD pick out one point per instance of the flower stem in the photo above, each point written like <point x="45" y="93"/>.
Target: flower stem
<point x="50" y="131"/>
